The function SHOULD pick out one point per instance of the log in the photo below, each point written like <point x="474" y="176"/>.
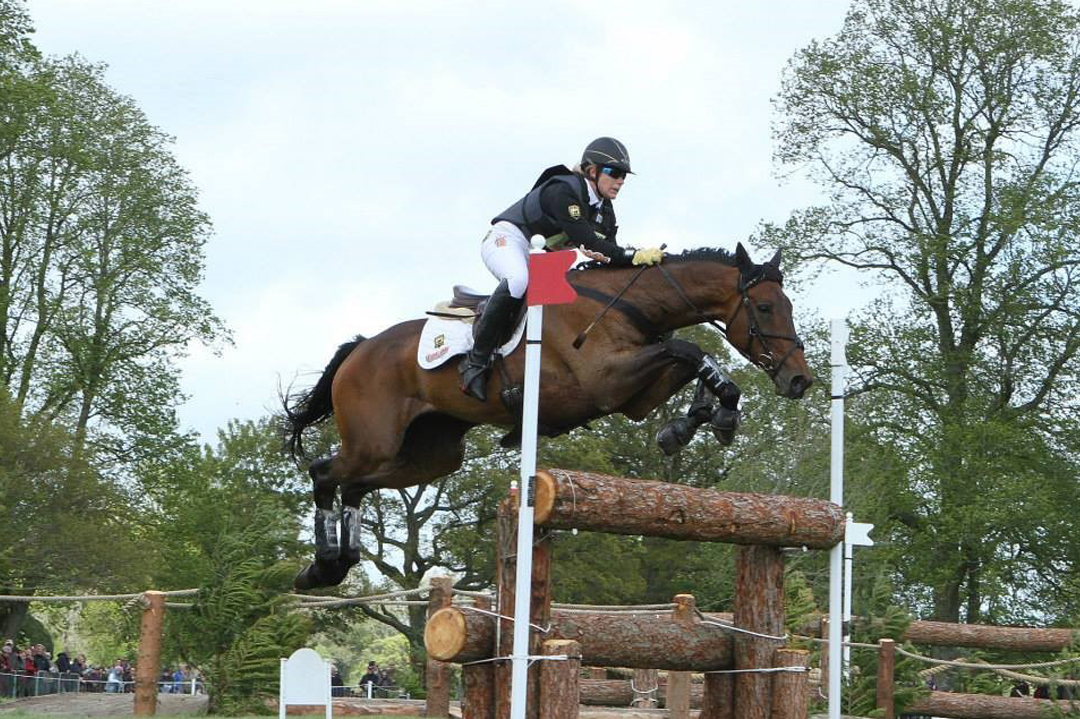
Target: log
<point x="437" y="673"/>
<point x="642" y="641"/>
<point x="602" y="503"/>
<point x="478" y="683"/>
<point x="759" y="607"/>
<point x="718" y="700"/>
<point x="540" y="605"/>
<point x="973" y="636"/>
<point x="789" y="688"/>
<point x="678" y="695"/>
<point x="148" y="662"/>
<point x="646" y="688"/>
<point x="619" y="693"/>
<point x="558" y="695"/>
<point x="885" y="677"/>
<point x="985" y="706"/>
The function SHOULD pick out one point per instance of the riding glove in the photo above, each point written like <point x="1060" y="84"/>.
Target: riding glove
<point x="649" y="256"/>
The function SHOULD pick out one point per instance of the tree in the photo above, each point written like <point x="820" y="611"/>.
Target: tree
<point x="101" y="249"/>
<point x="945" y="133"/>
<point x="66" y="527"/>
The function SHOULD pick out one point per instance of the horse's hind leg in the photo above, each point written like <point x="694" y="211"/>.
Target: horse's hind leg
<point x="326" y="569"/>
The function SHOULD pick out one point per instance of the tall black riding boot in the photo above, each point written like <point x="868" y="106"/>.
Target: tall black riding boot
<point x="498" y="313"/>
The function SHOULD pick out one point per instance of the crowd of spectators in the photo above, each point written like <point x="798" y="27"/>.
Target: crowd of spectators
<point x="32" y="671"/>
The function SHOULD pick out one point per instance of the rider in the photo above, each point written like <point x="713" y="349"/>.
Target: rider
<point x="569" y="208"/>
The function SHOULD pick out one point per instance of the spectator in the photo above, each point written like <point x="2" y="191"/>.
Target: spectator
<point x="7" y="655"/>
<point x="63" y="663"/>
<point x="79" y="665"/>
<point x="337" y="685"/>
<point x="114" y="684"/>
<point x="371" y="678"/>
<point x="42" y="663"/>
<point x="178" y="680"/>
<point x="129" y="677"/>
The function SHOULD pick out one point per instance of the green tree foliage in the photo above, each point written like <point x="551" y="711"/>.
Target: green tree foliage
<point x="945" y="134"/>
<point x="66" y="527"/>
<point x="101" y="249"/>
<point x="225" y="521"/>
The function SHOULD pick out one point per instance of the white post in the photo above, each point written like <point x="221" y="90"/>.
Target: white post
<point x="329" y="694"/>
<point x="836" y="495"/>
<point x="848" y="555"/>
<point x="526" y="499"/>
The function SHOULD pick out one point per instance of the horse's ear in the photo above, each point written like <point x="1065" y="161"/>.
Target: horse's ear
<point x="742" y="257"/>
<point x="775" y="261"/>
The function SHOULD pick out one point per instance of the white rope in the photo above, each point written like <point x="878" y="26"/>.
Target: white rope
<point x="610" y="607"/>
<point x="762" y="670"/>
<point x="90" y="597"/>
<point x="362" y="600"/>
<point x="538" y="628"/>
<point x="479" y="595"/>
<point x="972" y="665"/>
<point x="612" y="612"/>
<point x="733" y="628"/>
<point x="530" y="658"/>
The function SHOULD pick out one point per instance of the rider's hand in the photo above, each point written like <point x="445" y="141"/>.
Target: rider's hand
<point x="648" y="256"/>
<point x="594" y="255"/>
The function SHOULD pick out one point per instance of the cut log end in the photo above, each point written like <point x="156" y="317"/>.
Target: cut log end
<point x="544" y="497"/>
<point x="444" y="635"/>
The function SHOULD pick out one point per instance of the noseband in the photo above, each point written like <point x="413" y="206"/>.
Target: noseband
<point x="767" y="359"/>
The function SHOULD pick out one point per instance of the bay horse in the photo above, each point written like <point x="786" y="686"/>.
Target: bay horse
<point x="402" y="426"/>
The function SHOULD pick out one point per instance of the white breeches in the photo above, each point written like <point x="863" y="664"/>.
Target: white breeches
<point x="505" y="252"/>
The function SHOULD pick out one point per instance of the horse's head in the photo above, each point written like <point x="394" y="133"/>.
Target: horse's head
<point x="762" y="329"/>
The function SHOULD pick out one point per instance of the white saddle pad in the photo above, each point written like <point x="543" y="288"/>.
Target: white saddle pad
<point x="443" y="338"/>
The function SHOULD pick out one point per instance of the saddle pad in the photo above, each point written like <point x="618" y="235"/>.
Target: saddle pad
<point x="442" y="339"/>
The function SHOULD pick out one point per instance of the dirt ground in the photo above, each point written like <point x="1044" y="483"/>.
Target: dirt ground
<point x="102" y="705"/>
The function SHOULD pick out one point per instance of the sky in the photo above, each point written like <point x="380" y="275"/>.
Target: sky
<point x="351" y="154"/>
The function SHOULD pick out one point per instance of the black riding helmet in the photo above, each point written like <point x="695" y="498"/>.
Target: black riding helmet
<point x="606" y="152"/>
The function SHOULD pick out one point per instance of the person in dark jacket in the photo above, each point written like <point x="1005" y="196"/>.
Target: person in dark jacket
<point x="569" y="208"/>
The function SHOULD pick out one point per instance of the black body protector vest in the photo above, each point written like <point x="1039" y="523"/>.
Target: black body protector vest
<point x="529" y="216"/>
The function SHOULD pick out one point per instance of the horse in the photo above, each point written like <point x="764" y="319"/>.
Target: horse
<point x="402" y="426"/>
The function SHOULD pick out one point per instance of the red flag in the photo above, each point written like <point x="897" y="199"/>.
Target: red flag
<point x="547" y="278"/>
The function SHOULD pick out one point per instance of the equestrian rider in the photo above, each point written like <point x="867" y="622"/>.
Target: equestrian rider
<point x="569" y="208"/>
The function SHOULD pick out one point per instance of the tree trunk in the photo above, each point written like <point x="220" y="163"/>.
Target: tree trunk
<point x="601" y="503"/>
<point x="985" y="706"/>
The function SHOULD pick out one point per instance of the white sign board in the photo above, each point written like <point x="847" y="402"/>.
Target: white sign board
<point x="305" y="679"/>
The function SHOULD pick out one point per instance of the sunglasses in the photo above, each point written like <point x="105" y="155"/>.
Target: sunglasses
<point x="613" y="173"/>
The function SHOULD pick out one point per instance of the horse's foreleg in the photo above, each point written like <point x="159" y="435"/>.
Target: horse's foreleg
<point x="351" y="495"/>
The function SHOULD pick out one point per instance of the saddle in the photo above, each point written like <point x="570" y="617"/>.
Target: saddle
<point x="467" y="305"/>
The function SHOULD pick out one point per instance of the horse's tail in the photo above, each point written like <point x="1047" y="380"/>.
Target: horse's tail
<point x="305" y="409"/>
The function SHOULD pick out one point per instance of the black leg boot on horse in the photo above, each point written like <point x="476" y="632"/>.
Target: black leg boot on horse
<point x="493" y="325"/>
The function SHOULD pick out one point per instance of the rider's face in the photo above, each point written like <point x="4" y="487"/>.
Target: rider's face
<point x="607" y="185"/>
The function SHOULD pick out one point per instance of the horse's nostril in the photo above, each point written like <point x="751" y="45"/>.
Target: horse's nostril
<point x="799" y="385"/>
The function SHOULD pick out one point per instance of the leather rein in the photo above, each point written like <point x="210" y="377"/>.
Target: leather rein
<point x="767" y="359"/>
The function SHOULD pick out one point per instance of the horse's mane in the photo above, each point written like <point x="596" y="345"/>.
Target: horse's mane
<point x="710" y="254"/>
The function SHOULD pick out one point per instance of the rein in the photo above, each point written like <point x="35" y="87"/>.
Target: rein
<point x="768" y="358"/>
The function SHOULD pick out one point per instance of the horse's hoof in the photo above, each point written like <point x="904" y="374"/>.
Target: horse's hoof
<point x="327" y="555"/>
<point x="675" y="435"/>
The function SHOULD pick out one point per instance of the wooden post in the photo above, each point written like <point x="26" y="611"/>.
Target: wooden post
<point x="759" y="607"/>
<point x="645" y="689"/>
<point x="558" y="688"/>
<point x="885" y="670"/>
<point x="678" y="687"/>
<point x="678" y="695"/>
<point x="789" y="688"/>
<point x="478" y="682"/>
<point x="148" y="664"/>
<point x="540" y="615"/>
<point x="823" y="662"/>
<point x="718" y="701"/>
<point x="437" y="673"/>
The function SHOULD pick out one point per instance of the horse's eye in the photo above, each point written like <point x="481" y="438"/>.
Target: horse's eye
<point x="764" y="307"/>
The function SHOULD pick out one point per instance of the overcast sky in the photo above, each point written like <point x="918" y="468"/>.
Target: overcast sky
<point x="351" y="154"/>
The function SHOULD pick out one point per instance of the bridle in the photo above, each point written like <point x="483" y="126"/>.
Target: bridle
<point x="767" y="359"/>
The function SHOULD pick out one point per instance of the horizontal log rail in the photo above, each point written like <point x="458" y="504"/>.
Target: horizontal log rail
<point x="975" y="636"/>
<point x="597" y="502"/>
<point x="985" y="706"/>
<point x="660" y="640"/>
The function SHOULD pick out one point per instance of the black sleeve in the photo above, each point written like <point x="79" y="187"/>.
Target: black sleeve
<point x="558" y="202"/>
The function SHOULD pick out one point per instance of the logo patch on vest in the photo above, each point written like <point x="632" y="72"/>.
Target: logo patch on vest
<point x="575" y="212"/>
